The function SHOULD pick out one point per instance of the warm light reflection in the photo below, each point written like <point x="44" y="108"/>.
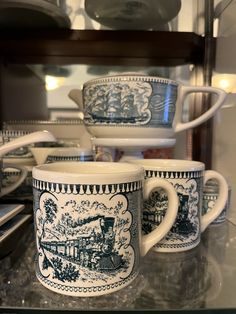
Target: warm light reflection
<point x="53" y="82"/>
<point x="225" y="81"/>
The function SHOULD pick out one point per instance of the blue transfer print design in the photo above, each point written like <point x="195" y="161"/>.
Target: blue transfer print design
<point x="209" y="200"/>
<point x="135" y="103"/>
<point x="86" y="241"/>
<point x="52" y="158"/>
<point x="186" y="229"/>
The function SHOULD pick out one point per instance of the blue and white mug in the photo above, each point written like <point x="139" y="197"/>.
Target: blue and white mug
<point x="188" y="178"/>
<point x="88" y="225"/>
<point x="138" y="106"/>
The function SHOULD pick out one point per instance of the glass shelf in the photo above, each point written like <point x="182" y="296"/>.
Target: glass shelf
<point x="200" y="279"/>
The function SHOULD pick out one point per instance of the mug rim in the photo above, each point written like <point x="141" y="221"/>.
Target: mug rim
<point x="88" y="172"/>
<point x="169" y="164"/>
<point x="130" y="77"/>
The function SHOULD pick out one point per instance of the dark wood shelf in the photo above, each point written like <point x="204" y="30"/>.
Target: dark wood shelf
<point x="144" y="48"/>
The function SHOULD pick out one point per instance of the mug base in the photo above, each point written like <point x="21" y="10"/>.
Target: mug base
<point x="175" y="248"/>
<point x="85" y="291"/>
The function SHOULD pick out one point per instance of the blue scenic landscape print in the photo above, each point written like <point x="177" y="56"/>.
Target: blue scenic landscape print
<point x="149" y="104"/>
<point x="85" y="239"/>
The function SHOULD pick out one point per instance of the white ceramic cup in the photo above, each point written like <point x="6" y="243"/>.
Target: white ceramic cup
<point x="138" y="106"/>
<point x="88" y="225"/>
<point x="188" y="178"/>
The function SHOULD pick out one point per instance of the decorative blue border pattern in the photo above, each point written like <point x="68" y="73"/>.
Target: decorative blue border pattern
<point x="173" y="174"/>
<point x="52" y="158"/>
<point x="87" y="189"/>
<point x="210" y="197"/>
<point x="130" y="78"/>
<point x="179" y="245"/>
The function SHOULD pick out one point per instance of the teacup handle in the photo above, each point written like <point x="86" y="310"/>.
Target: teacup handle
<point x="13" y="186"/>
<point x="212" y="214"/>
<point x="149" y="240"/>
<point x="183" y="92"/>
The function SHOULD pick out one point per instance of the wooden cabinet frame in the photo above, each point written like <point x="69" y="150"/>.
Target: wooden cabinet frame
<point x="139" y="48"/>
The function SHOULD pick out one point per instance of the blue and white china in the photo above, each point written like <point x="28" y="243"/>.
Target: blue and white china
<point x="68" y="132"/>
<point x="70" y="154"/>
<point x="188" y="178"/>
<point x="210" y="195"/>
<point x="138" y="106"/>
<point x="44" y="155"/>
<point x="7" y="136"/>
<point x="40" y="136"/>
<point x="88" y="225"/>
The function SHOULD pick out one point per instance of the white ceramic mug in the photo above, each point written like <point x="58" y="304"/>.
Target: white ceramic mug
<point x="138" y="106"/>
<point x="188" y="178"/>
<point x="88" y="225"/>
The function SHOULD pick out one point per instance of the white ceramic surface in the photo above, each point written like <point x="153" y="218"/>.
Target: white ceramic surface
<point x="87" y="217"/>
<point x="138" y="106"/>
<point x="188" y="178"/>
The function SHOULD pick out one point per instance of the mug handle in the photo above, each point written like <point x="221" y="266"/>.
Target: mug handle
<point x="13" y="186"/>
<point x="220" y="203"/>
<point x="184" y="91"/>
<point x="149" y="240"/>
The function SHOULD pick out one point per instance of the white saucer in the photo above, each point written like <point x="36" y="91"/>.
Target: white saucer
<point x="134" y="143"/>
